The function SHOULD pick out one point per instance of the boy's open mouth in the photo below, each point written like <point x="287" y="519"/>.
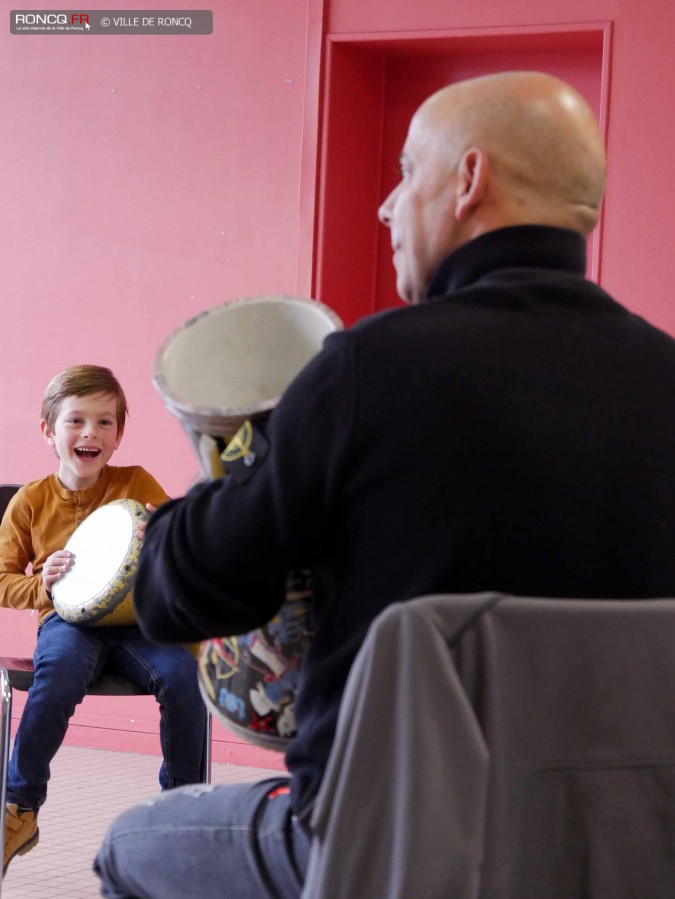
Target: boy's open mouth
<point x="87" y="452"/>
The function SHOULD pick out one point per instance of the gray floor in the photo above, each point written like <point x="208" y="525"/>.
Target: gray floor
<point x="88" y="788"/>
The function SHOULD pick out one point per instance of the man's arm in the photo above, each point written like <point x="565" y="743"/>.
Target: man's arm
<point x="216" y="561"/>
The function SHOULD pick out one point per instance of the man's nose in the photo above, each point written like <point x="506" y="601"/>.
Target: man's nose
<point x="384" y="212"/>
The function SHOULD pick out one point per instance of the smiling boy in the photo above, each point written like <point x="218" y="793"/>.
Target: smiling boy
<point x="83" y="417"/>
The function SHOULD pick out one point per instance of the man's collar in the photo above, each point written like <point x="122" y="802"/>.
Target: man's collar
<point x="528" y="246"/>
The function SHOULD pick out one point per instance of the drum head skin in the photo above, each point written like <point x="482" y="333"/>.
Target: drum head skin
<point x="106" y="552"/>
<point x="234" y="361"/>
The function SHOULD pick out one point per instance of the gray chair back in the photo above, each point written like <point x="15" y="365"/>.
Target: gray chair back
<point x="494" y="746"/>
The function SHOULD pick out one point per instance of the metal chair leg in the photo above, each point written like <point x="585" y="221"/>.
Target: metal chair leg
<point x="207" y="750"/>
<point x="5" y="723"/>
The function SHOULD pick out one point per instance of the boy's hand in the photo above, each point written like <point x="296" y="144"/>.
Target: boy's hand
<point x="56" y="566"/>
<point x="140" y="527"/>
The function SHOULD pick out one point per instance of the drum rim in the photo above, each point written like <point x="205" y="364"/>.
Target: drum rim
<point x="184" y="410"/>
<point x="74" y="613"/>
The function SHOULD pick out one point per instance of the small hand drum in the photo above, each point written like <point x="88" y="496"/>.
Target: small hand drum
<point x="96" y="590"/>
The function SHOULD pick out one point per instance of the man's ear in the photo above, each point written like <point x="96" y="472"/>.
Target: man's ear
<point x="473" y="173"/>
<point x="47" y="432"/>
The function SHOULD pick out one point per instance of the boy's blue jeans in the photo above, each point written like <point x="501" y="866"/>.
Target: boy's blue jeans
<point x="67" y="659"/>
<point x="231" y="841"/>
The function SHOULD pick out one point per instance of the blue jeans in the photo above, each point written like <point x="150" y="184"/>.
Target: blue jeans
<point x="236" y="841"/>
<point x="67" y="659"/>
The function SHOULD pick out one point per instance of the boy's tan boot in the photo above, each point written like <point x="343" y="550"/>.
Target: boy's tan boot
<point x="21" y="832"/>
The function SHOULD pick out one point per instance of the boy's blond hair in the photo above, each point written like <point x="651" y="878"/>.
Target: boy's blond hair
<point x="82" y="380"/>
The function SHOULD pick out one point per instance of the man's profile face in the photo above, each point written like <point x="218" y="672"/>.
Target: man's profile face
<point x="420" y="211"/>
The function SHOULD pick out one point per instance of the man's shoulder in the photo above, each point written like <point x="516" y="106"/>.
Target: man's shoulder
<point x="378" y="324"/>
<point x="401" y="327"/>
<point x="371" y="335"/>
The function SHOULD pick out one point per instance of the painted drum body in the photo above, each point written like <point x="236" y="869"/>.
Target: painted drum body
<point x="249" y="681"/>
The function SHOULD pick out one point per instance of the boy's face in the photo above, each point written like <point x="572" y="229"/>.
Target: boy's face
<point x="84" y="436"/>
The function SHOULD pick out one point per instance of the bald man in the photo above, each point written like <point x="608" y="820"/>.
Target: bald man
<point x="503" y="150"/>
<point x="511" y="429"/>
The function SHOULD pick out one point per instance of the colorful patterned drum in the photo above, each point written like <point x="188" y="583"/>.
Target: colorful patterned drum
<point x="96" y="590"/>
<point x="249" y="682"/>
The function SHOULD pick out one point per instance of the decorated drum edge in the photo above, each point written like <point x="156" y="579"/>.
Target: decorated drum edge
<point x="257" y="738"/>
<point x="198" y="415"/>
<point x="122" y="615"/>
<point x="116" y="607"/>
<point x="317" y="304"/>
<point x="209" y="420"/>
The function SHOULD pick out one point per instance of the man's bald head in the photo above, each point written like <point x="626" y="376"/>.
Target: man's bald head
<point x="542" y="139"/>
<point x="514" y="148"/>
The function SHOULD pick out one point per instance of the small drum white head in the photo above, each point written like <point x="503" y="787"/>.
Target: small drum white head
<point x="106" y="552"/>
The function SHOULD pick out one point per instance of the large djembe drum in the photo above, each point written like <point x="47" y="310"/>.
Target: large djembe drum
<point x="223" y="369"/>
<point x="233" y="362"/>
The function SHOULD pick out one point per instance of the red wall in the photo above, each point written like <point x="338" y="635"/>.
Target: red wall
<point x="390" y="76"/>
<point x="144" y="179"/>
<point x="639" y="219"/>
<point x="148" y="178"/>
